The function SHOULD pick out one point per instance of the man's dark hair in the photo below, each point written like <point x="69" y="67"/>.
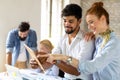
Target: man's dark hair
<point x="24" y="26"/>
<point x="72" y="10"/>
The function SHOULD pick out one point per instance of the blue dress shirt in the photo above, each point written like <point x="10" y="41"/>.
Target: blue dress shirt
<point x="13" y="43"/>
<point x="105" y="64"/>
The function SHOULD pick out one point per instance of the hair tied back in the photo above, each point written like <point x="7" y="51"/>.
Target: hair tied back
<point x="98" y="4"/>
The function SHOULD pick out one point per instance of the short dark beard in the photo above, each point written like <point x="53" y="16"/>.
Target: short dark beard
<point x="22" y="39"/>
<point x="70" y="32"/>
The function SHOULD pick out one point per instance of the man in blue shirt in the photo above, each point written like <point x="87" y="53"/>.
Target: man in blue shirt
<point x="16" y="52"/>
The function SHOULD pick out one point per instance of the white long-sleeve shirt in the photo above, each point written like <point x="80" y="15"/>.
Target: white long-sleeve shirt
<point x="79" y="49"/>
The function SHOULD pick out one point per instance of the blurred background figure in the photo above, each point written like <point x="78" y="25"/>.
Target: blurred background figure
<point x="16" y="54"/>
<point x="46" y="47"/>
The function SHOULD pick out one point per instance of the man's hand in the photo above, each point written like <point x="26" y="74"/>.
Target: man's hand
<point x="41" y="59"/>
<point x="47" y="65"/>
<point x="51" y="58"/>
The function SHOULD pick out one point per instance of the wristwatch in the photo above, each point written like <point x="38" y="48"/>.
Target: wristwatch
<point x="58" y="61"/>
<point x="69" y="60"/>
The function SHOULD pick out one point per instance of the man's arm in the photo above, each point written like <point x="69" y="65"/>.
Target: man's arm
<point x="10" y="43"/>
<point x="61" y="62"/>
<point x="67" y="68"/>
<point x="63" y="65"/>
<point x="8" y="58"/>
<point x="87" y="50"/>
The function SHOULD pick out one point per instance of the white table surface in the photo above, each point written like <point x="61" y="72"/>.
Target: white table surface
<point x="29" y="75"/>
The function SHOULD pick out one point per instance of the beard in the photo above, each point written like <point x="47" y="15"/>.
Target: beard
<point x="70" y="31"/>
<point x="22" y="39"/>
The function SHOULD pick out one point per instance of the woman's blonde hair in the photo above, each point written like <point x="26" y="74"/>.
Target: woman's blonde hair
<point x="47" y="44"/>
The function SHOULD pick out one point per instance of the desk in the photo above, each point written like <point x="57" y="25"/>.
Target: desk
<point x="3" y="76"/>
<point x="30" y="75"/>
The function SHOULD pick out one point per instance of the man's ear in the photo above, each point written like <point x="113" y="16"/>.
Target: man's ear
<point x="79" y="20"/>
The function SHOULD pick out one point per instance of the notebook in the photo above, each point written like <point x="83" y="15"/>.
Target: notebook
<point x="31" y="52"/>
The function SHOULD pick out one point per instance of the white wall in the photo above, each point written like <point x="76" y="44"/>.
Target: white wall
<point x="12" y="12"/>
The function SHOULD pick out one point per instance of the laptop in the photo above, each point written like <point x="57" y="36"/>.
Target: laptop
<point x="27" y="74"/>
<point x="14" y="73"/>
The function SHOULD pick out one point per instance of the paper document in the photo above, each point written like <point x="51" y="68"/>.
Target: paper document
<point x="31" y="52"/>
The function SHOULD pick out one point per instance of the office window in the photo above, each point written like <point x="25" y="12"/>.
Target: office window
<point x="51" y="21"/>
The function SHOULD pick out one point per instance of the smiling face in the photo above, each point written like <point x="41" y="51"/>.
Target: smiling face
<point x="94" y="24"/>
<point x="71" y="24"/>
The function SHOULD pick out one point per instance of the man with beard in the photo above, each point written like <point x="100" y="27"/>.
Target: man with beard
<point x="16" y="54"/>
<point x="72" y="44"/>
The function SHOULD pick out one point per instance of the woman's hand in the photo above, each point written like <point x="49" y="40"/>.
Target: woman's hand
<point x="89" y="36"/>
<point x="42" y="60"/>
<point x="33" y="63"/>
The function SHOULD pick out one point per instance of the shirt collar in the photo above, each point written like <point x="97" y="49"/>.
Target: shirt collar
<point x="80" y="34"/>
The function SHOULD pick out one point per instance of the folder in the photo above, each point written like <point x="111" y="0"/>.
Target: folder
<point x="32" y="53"/>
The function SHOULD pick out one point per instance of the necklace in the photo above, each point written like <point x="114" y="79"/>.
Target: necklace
<point x="106" y="37"/>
